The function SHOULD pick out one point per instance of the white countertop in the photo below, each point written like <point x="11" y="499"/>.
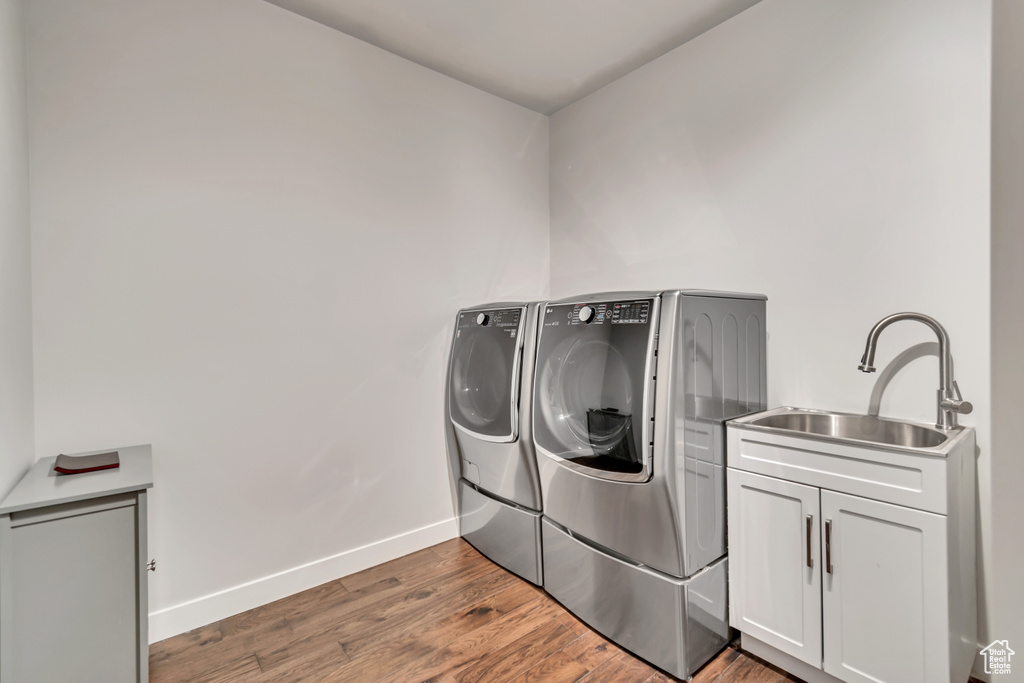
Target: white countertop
<point x="42" y="486"/>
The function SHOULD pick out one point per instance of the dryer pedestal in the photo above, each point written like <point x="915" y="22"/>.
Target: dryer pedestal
<point x="507" y="534"/>
<point x="676" y="624"/>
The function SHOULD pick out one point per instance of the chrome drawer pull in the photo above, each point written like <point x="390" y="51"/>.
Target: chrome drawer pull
<point x="810" y="524"/>
<point x="828" y="546"/>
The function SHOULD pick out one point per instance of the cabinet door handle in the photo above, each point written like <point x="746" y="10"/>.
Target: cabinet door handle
<point x="810" y="525"/>
<point x="828" y="546"/>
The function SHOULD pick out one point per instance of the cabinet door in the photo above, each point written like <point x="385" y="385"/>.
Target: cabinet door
<point x="885" y="593"/>
<point x="74" y="610"/>
<point x="774" y="577"/>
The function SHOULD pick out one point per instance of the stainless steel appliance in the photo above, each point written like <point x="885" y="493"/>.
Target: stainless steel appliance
<point x="630" y="398"/>
<point x="489" y="392"/>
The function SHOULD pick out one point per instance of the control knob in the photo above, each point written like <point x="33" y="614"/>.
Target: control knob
<point x="482" y="319"/>
<point x="586" y="314"/>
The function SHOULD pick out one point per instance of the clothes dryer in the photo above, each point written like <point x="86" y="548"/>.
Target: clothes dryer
<point x="630" y="398"/>
<point x="489" y="393"/>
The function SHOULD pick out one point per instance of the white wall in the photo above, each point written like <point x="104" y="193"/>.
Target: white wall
<point x="1007" y="589"/>
<point x="831" y="155"/>
<point x="16" y="435"/>
<point x="251" y="234"/>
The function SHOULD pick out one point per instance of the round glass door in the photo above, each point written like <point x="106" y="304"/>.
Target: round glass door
<point x="591" y="376"/>
<point x="485" y="373"/>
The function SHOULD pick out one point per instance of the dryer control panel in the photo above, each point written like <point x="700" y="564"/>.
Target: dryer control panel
<point x="505" y="317"/>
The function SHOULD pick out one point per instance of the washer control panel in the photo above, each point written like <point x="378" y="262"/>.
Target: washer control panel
<point x="631" y="312"/>
<point x="614" y="313"/>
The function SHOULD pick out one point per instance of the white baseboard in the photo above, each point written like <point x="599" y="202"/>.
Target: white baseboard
<point x="211" y="608"/>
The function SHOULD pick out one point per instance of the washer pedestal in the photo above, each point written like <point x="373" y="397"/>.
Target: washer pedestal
<point x="676" y="624"/>
<point x="507" y="534"/>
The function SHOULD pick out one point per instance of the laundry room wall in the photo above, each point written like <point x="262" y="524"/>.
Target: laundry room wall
<point x="833" y="156"/>
<point x="16" y="433"/>
<point x="251" y="234"/>
<point x="1007" y="548"/>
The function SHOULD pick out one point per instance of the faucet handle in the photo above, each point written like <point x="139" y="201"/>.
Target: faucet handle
<point x="962" y="407"/>
<point x="958" y="404"/>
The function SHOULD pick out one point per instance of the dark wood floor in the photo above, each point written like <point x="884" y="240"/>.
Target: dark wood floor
<point x="444" y="614"/>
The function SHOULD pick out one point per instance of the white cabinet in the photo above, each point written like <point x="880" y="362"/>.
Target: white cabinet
<point x="884" y="597"/>
<point x="833" y="586"/>
<point x="774" y="582"/>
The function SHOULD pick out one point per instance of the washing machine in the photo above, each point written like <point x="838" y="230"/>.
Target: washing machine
<point x="489" y="393"/>
<point x="631" y="394"/>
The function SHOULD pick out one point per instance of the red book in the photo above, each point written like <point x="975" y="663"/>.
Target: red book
<point x="76" y="464"/>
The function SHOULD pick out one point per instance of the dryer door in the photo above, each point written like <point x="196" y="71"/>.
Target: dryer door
<point x="592" y="400"/>
<point x="484" y="396"/>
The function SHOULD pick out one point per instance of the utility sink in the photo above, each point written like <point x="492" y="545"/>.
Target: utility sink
<point x="905" y="463"/>
<point x="855" y="428"/>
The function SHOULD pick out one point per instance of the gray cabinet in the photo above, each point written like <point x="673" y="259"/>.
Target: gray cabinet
<point x="73" y="581"/>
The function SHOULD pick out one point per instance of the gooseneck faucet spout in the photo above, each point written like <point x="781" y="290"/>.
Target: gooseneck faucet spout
<point x="950" y="402"/>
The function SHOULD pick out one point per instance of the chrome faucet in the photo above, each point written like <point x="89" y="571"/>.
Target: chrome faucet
<point x="950" y="401"/>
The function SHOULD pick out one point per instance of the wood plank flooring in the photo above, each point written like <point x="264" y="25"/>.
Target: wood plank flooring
<point x="445" y="614"/>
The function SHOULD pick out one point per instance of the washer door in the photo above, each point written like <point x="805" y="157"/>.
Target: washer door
<point x="484" y="395"/>
<point x="593" y="380"/>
